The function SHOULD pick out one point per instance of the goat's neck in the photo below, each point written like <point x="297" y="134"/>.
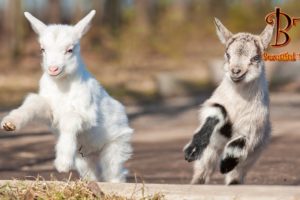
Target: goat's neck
<point x="253" y="91"/>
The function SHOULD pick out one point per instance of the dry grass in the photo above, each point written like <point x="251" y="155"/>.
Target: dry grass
<point x="69" y="190"/>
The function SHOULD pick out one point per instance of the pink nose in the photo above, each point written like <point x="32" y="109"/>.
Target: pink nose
<point x="53" y="69"/>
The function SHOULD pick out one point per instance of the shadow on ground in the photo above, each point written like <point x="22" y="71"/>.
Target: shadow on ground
<point x="161" y="132"/>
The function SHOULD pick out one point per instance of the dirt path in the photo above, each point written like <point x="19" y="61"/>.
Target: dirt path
<point x="161" y="132"/>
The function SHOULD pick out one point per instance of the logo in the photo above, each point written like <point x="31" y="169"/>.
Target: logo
<point x="283" y="24"/>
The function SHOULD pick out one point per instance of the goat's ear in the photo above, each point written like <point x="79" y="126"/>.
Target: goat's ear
<point x="223" y="33"/>
<point x="36" y="24"/>
<point x="266" y="35"/>
<point x="84" y="24"/>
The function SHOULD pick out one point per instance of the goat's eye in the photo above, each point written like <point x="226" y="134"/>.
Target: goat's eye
<point x="42" y="50"/>
<point x="255" y="58"/>
<point x="227" y="55"/>
<point x="69" y="51"/>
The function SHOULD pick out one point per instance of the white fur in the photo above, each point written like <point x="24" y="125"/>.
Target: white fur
<point x="246" y="102"/>
<point x="206" y="112"/>
<point x="80" y="111"/>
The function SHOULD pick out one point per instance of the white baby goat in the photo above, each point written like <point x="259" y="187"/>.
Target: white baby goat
<point x="234" y="121"/>
<point x="92" y="127"/>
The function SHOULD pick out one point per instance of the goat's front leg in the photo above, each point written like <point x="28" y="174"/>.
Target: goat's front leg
<point x="208" y="142"/>
<point x="34" y="107"/>
<point x="69" y="126"/>
<point x="215" y="120"/>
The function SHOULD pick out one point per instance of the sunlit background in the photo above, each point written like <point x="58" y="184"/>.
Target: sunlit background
<point x="162" y="59"/>
<point x="140" y="50"/>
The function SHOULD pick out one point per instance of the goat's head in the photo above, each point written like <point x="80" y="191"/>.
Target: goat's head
<point x="60" y="44"/>
<point x="243" y="54"/>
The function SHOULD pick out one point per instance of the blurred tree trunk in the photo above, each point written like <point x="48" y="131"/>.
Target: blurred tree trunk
<point x="2" y="19"/>
<point x="98" y="6"/>
<point x="54" y="13"/>
<point x="142" y="18"/>
<point x="112" y="15"/>
<point x="79" y="11"/>
<point x="14" y="28"/>
<point x="218" y="8"/>
<point x="78" y="14"/>
<point x="157" y="11"/>
<point x="178" y="8"/>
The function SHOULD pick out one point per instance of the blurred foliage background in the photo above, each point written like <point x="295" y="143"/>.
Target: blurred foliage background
<point x="140" y="50"/>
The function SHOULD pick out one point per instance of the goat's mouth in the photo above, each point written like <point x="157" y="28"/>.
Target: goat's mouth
<point x="239" y="78"/>
<point x="55" y="74"/>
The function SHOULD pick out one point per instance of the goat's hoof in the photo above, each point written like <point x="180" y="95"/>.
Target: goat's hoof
<point x="199" y="181"/>
<point x="191" y="153"/>
<point x="8" y="126"/>
<point x="63" y="165"/>
<point x="234" y="182"/>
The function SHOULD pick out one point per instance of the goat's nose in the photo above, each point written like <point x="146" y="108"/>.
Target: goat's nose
<point x="53" y="68"/>
<point x="236" y="71"/>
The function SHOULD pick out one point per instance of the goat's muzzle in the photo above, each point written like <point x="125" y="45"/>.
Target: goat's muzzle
<point x="54" y="71"/>
<point x="237" y="77"/>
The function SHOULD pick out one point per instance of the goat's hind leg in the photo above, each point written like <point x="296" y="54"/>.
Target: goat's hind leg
<point x="208" y="142"/>
<point x="88" y="167"/>
<point x="107" y="165"/>
<point x="112" y="158"/>
<point x="205" y="166"/>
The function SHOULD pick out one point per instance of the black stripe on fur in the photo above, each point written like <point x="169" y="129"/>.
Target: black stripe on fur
<point x="226" y="130"/>
<point x="228" y="164"/>
<point x="222" y="108"/>
<point x="201" y="139"/>
<point x="238" y="143"/>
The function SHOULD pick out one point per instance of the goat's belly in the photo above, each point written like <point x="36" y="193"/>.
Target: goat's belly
<point x="93" y="139"/>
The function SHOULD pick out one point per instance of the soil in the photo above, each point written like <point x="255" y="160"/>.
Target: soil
<point x="161" y="131"/>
